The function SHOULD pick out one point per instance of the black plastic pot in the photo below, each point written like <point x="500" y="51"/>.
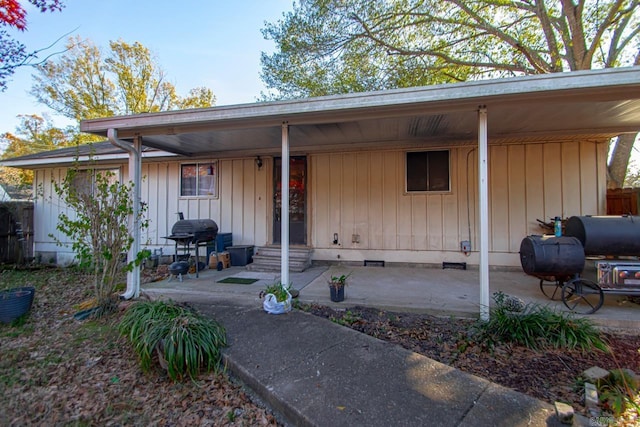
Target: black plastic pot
<point x="15" y="302"/>
<point x="337" y="295"/>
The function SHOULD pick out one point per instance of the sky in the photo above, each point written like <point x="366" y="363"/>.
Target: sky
<point x="212" y="43"/>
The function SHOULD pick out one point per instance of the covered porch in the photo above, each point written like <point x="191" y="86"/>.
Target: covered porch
<point x="596" y="104"/>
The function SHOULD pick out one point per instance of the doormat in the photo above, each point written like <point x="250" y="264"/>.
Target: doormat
<point x="238" y="280"/>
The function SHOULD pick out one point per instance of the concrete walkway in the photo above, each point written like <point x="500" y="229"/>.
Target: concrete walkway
<point x="317" y="373"/>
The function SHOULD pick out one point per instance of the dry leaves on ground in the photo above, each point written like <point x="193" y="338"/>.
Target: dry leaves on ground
<point x="55" y="370"/>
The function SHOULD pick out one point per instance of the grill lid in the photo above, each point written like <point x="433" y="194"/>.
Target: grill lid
<point x="201" y="230"/>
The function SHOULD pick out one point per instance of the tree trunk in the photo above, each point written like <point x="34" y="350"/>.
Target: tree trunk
<point x="617" y="168"/>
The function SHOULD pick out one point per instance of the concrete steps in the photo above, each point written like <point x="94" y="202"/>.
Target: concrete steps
<point x="267" y="258"/>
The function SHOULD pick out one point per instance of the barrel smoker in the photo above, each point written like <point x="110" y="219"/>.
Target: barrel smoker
<point x="612" y="243"/>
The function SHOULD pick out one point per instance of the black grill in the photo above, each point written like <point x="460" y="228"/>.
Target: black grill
<point x="194" y="230"/>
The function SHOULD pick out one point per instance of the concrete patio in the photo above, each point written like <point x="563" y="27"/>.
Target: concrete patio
<point x="418" y="289"/>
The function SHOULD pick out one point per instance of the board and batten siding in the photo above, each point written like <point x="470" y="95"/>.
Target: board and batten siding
<point x="361" y="197"/>
<point x="242" y="206"/>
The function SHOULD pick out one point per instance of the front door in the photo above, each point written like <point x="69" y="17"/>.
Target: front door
<point x="297" y="200"/>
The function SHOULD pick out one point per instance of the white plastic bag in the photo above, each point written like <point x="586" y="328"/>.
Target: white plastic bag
<point x="272" y="306"/>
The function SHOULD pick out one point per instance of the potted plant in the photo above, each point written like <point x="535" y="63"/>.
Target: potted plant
<point x="336" y="287"/>
<point x="277" y="299"/>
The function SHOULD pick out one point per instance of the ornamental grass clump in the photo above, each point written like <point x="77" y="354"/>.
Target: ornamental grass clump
<point x="185" y="342"/>
<point x="536" y="327"/>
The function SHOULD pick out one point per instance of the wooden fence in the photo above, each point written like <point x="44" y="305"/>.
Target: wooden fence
<point x="622" y="201"/>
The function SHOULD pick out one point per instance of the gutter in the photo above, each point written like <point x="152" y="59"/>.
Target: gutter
<point x="67" y="160"/>
<point x="133" y="277"/>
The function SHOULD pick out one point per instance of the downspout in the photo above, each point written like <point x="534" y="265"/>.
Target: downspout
<point x="483" y="190"/>
<point x="133" y="277"/>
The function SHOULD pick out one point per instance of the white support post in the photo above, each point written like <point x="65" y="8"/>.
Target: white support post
<point x="284" y="208"/>
<point x="483" y="191"/>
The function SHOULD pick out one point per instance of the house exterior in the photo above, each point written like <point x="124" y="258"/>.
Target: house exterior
<point x="354" y="205"/>
<point x="395" y="176"/>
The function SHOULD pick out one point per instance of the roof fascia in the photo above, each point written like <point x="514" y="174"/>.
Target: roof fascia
<point x="44" y="161"/>
<point x="612" y="83"/>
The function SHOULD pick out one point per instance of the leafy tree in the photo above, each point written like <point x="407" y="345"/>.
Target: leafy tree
<point x="84" y="83"/>
<point x="13" y="54"/>
<point x="142" y="85"/>
<point x="200" y="97"/>
<point x="13" y="178"/>
<point x="33" y="135"/>
<point x="337" y="46"/>
<point x="633" y="176"/>
<point x="76" y="85"/>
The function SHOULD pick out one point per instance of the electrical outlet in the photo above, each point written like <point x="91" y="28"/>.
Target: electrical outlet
<point x="465" y="246"/>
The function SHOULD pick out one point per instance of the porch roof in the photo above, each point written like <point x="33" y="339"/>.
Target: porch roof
<point x="594" y="102"/>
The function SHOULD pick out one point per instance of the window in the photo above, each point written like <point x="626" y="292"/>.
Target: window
<point x="84" y="180"/>
<point x="428" y="171"/>
<point x="199" y="180"/>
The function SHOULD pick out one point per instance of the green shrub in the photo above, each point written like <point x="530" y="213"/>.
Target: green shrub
<point x="96" y="227"/>
<point x="186" y="340"/>
<point x="618" y="392"/>
<point x="536" y="326"/>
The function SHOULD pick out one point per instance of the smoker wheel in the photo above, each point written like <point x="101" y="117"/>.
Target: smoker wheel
<point x="582" y="296"/>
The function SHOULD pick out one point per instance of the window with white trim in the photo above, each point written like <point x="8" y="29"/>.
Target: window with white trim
<point x="427" y="171"/>
<point x="199" y="179"/>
